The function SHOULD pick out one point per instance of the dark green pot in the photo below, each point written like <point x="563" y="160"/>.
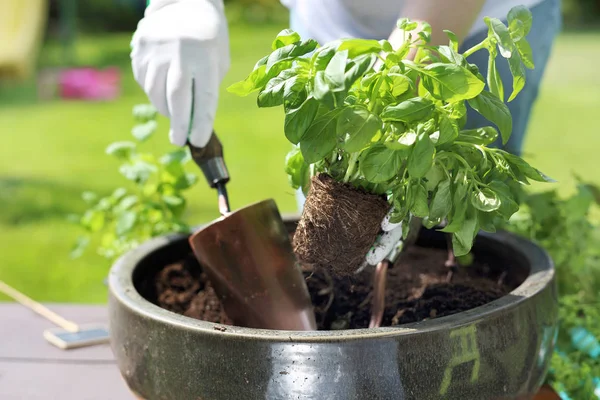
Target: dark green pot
<point x="497" y="351"/>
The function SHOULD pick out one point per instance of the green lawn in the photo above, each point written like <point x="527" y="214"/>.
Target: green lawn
<point x="53" y="151"/>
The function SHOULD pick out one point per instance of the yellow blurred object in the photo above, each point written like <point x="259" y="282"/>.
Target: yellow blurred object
<point x="22" y="25"/>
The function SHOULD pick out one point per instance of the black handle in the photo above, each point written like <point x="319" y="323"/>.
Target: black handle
<point x="210" y="160"/>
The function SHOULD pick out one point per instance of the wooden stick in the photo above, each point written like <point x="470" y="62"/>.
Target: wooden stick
<point x="38" y="308"/>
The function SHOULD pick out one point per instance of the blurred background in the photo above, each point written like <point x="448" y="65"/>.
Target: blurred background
<point x="54" y="132"/>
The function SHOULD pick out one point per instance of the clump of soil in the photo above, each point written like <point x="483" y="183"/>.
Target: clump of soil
<point x="338" y="226"/>
<point x="419" y="287"/>
<point x="183" y="288"/>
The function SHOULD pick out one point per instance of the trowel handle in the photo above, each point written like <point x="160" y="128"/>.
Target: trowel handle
<point x="210" y="160"/>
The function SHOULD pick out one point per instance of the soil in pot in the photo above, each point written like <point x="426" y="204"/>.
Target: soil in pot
<point x="419" y="287"/>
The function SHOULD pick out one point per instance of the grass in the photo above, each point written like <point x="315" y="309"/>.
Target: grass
<point x="52" y="151"/>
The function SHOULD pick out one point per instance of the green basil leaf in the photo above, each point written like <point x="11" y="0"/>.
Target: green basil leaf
<point x="335" y="71"/>
<point x="441" y="204"/>
<point x="419" y="207"/>
<point x="421" y="158"/>
<point x="487" y="221"/>
<point x="357" y="126"/>
<point x="144" y="112"/>
<point x="434" y="176"/>
<point x="404" y="142"/>
<point x="518" y="73"/>
<point x="272" y="94"/>
<point x="290" y="52"/>
<point x="523" y="14"/>
<point x="324" y="55"/>
<point x="294" y="92"/>
<point x="459" y="110"/>
<point x="356" y="47"/>
<point x="452" y="55"/>
<point x="121" y="150"/>
<point x="127" y="202"/>
<point x="522" y="165"/>
<point x="508" y="206"/>
<point x="431" y="223"/>
<point x="386" y="45"/>
<point x="295" y="167"/>
<point x="526" y="53"/>
<point x="450" y="82"/>
<point x="457" y="219"/>
<point x="448" y="130"/>
<point x="380" y="164"/>
<point x="250" y="84"/>
<point x="399" y="83"/>
<point x="369" y="79"/>
<point x="462" y="239"/>
<point x="400" y="209"/>
<point x="320" y="138"/>
<point x="298" y="120"/>
<point x="93" y="220"/>
<point x="517" y="30"/>
<point x="485" y="200"/>
<point x="125" y="222"/>
<point x="322" y="91"/>
<point x="495" y="111"/>
<point x="480" y="136"/>
<point x="502" y="35"/>
<point x="495" y="81"/>
<point x="138" y="172"/>
<point x="453" y="39"/>
<point x="179" y="156"/>
<point x="460" y="203"/>
<point x="358" y="67"/>
<point x="284" y="38"/>
<point x="415" y="109"/>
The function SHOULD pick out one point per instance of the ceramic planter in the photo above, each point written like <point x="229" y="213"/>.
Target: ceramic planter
<point x="497" y="351"/>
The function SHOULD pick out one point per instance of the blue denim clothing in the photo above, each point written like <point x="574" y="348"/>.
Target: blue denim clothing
<point x="547" y="22"/>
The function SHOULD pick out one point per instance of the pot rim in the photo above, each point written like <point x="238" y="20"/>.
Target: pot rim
<point x="122" y="289"/>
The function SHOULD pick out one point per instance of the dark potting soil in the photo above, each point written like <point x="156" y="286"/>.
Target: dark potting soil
<point x="338" y="226"/>
<point x="418" y="287"/>
<point x="183" y="288"/>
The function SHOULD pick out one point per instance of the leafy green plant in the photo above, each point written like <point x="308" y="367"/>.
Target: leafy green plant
<point x="152" y="205"/>
<point x="564" y="227"/>
<point x="367" y="115"/>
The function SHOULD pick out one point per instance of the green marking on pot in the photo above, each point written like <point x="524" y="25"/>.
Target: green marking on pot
<point x="465" y="350"/>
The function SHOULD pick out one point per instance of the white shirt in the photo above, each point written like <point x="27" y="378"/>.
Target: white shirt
<point x="373" y="19"/>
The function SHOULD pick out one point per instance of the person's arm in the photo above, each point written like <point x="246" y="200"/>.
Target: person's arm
<point x="457" y="16"/>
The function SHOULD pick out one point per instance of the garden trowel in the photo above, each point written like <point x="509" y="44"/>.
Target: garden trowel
<point x="248" y="257"/>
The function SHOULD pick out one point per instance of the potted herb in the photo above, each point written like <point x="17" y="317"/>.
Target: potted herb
<point x="392" y="138"/>
<point x="366" y="137"/>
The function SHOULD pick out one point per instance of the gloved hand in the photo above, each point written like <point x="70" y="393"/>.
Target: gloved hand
<point x="386" y="242"/>
<point x="180" y="54"/>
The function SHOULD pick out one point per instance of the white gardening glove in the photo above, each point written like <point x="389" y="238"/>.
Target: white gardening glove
<point x="386" y="242"/>
<point x="180" y="54"/>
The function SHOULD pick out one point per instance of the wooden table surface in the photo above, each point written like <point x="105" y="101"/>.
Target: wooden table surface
<point x="33" y="369"/>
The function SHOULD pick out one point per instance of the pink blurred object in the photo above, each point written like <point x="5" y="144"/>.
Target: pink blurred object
<point x="90" y="83"/>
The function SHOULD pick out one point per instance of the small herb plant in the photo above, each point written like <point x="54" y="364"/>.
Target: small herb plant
<point x="564" y="227"/>
<point x="397" y="128"/>
<point x="153" y="206"/>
